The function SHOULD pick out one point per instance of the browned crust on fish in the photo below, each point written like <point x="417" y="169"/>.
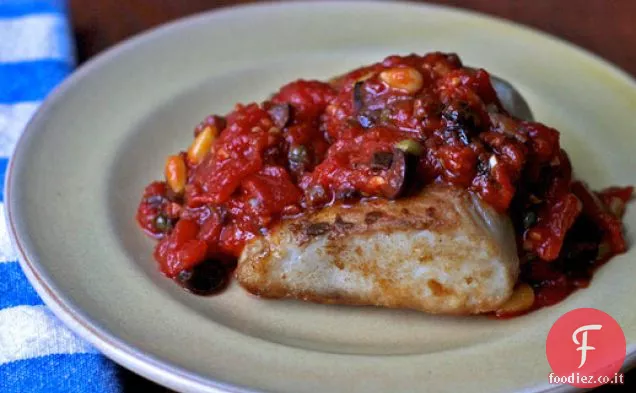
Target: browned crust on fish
<point x="356" y="242"/>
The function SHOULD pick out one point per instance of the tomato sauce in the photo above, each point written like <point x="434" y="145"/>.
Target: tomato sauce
<point x="380" y="131"/>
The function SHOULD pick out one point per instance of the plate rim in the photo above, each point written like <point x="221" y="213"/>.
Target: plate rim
<point x="126" y="354"/>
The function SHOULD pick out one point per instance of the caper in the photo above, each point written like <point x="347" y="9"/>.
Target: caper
<point x="298" y="154"/>
<point x="385" y="115"/>
<point x="184" y="275"/>
<point x="410" y="146"/>
<point x="163" y="223"/>
<point x="529" y="219"/>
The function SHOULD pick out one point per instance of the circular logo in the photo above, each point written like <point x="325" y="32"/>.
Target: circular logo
<point x="585" y="348"/>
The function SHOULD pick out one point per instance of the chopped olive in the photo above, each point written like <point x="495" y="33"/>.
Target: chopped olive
<point x="454" y="60"/>
<point x="370" y="118"/>
<point x="410" y="146"/>
<point x="483" y="167"/>
<point x="365" y="121"/>
<point x="463" y="136"/>
<point x="163" y="223"/>
<point x="397" y="176"/>
<point x="381" y="160"/>
<point x="358" y="99"/>
<point x="529" y="219"/>
<point x="204" y="279"/>
<point x="460" y="113"/>
<point x="460" y="116"/>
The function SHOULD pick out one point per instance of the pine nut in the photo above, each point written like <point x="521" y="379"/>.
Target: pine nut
<point x="176" y="172"/>
<point x="406" y="79"/>
<point x="201" y="145"/>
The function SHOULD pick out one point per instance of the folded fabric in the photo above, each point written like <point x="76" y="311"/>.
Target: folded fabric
<point x="37" y="353"/>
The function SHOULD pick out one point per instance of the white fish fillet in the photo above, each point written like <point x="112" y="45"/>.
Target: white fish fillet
<point x="443" y="251"/>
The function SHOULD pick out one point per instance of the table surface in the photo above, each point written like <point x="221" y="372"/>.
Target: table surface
<point x="604" y="27"/>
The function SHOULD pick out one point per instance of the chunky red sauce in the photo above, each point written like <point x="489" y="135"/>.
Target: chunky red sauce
<point x="384" y="131"/>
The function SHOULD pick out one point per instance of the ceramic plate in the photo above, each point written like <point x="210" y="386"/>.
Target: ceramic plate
<point x="80" y="168"/>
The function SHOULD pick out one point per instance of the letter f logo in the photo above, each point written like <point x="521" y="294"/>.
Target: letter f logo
<point x="583" y="344"/>
<point x="573" y="331"/>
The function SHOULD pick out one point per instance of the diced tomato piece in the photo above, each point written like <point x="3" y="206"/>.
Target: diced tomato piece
<point x="309" y="98"/>
<point x="233" y="239"/>
<point x="546" y="238"/>
<point x="153" y="203"/>
<point x="544" y="142"/>
<point x="220" y="179"/>
<point x="181" y="250"/>
<point x="459" y="163"/>
<point x="210" y="230"/>
<point x="244" y="117"/>
<point x="156" y="188"/>
<point x="272" y="188"/>
<point x="482" y="84"/>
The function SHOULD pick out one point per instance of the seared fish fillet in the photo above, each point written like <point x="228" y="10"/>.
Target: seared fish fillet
<point x="442" y="251"/>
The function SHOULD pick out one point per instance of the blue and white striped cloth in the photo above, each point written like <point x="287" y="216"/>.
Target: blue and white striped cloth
<point x="37" y="353"/>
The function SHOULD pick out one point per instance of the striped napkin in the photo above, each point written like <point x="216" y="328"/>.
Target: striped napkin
<point x="37" y="353"/>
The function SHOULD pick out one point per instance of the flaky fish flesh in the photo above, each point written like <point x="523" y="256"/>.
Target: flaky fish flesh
<point x="441" y="251"/>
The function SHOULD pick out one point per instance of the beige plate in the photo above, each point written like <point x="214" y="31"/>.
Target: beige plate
<point x="81" y="166"/>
